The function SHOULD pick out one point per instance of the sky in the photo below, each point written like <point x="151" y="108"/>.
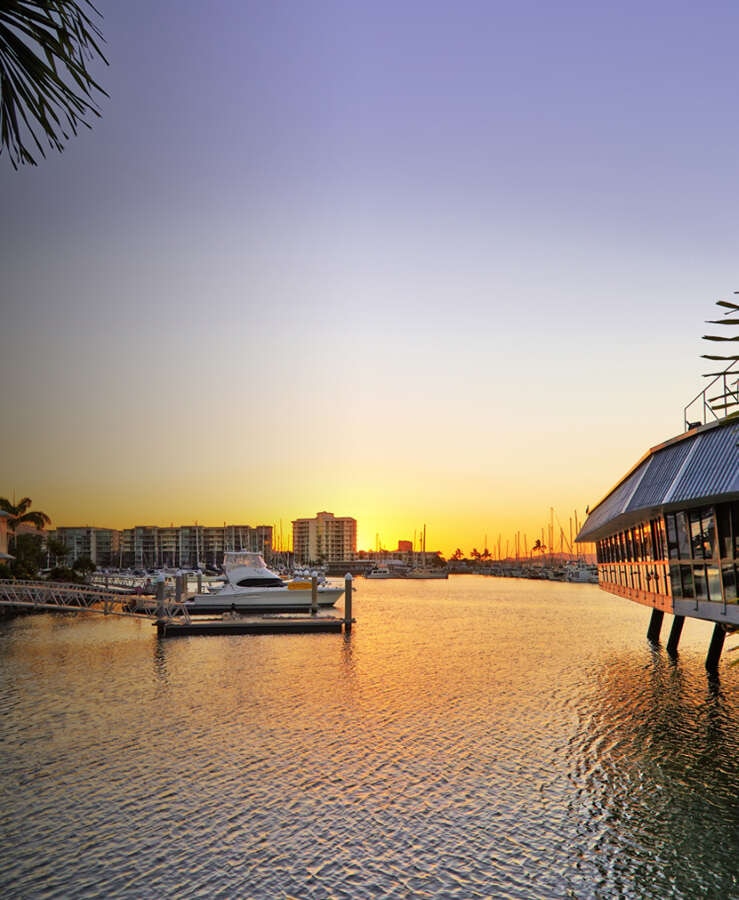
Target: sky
<point x="419" y="263"/>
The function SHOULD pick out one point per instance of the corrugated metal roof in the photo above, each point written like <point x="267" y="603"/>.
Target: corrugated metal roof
<point x="713" y="468"/>
<point x="663" y="469"/>
<point x="614" y="505"/>
<point x="698" y="467"/>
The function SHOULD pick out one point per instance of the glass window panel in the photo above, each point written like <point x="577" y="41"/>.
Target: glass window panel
<point x="659" y="548"/>
<point x="671" y="536"/>
<point x="699" y="580"/>
<point x="683" y="536"/>
<point x="723" y="523"/>
<point x="686" y="580"/>
<point x="708" y="525"/>
<point x="714" y="584"/>
<point x="677" y="588"/>
<point x="647" y="542"/>
<point x="696" y="535"/>
<point x="728" y="576"/>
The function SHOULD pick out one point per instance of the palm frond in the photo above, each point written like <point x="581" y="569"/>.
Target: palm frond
<point x="46" y="90"/>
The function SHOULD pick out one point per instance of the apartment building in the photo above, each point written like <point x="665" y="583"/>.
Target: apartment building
<point x="156" y="547"/>
<point x="324" y="539"/>
<point x="188" y="546"/>
<point x="101" y="545"/>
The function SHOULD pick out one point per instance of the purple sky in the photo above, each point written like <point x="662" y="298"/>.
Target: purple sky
<point x="334" y="209"/>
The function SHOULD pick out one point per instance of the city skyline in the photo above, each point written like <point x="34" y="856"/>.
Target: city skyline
<point x="556" y="536"/>
<point x="421" y="264"/>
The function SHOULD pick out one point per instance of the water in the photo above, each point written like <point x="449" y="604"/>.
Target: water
<point x="471" y="738"/>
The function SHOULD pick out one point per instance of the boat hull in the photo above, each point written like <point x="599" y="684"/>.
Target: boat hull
<point x="261" y="600"/>
<point x="428" y="575"/>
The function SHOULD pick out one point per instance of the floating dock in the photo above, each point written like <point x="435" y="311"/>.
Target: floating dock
<point x="254" y="625"/>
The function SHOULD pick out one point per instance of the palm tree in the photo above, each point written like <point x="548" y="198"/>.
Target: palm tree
<point x="58" y="549"/>
<point x="45" y="89"/>
<point x="20" y="514"/>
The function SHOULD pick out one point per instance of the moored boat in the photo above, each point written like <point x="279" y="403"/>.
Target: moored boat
<point x="428" y="572"/>
<point x="250" y="586"/>
<point x="379" y="572"/>
<point x="581" y="572"/>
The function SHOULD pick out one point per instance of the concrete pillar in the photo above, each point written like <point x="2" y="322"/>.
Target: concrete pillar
<point x="655" y="625"/>
<point x="313" y="593"/>
<point x="675" y="632"/>
<point x="715" y="648"/>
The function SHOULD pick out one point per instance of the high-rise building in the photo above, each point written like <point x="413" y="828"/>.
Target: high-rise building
<point x="326" y="538"/>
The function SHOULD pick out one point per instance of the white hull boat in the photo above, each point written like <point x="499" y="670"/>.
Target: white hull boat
<point x="428" y="573"/>
<point x="251" y="587"/>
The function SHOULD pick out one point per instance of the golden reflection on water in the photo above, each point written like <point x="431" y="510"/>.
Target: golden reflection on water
<point x="477" y="736"/>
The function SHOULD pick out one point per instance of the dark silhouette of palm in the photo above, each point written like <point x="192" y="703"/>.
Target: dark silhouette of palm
<point x="46" y="91"/>
<point x="20" y="514"/>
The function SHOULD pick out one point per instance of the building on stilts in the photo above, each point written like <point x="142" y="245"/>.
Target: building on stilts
<point x="667" y="534"/>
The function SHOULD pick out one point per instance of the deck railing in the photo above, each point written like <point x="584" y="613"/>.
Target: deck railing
<point x="724" y="400"/>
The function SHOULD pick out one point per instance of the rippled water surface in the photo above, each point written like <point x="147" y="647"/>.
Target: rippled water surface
<point x="470" y="738"/>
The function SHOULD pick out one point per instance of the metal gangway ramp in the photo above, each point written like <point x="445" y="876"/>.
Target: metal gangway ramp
<point x="61" y="597"/>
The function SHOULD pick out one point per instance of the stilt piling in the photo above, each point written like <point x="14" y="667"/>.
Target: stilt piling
<point x="715" y="647"/>
<point x="655" y="626"/>
<point x="675" y="632"/>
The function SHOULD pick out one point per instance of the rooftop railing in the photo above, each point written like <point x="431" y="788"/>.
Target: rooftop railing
<point x="724" y="388"/>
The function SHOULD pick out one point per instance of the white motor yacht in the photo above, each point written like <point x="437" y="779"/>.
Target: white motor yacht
<point x="379" y="572"/>
<point x="250" y="586"/>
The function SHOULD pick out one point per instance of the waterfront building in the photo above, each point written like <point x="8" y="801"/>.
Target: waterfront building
<point x="101" y="545"/>
<point x="4" y="536"/>
<point x="667" y="534"/>
<point x="324" y="539"/>
<point x="188" y="546"/>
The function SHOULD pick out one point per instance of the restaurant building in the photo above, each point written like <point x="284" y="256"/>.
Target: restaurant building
<point x="667" y="534"/>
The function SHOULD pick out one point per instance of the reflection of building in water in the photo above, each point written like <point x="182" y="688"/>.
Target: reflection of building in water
<point x="667" y="534"/>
